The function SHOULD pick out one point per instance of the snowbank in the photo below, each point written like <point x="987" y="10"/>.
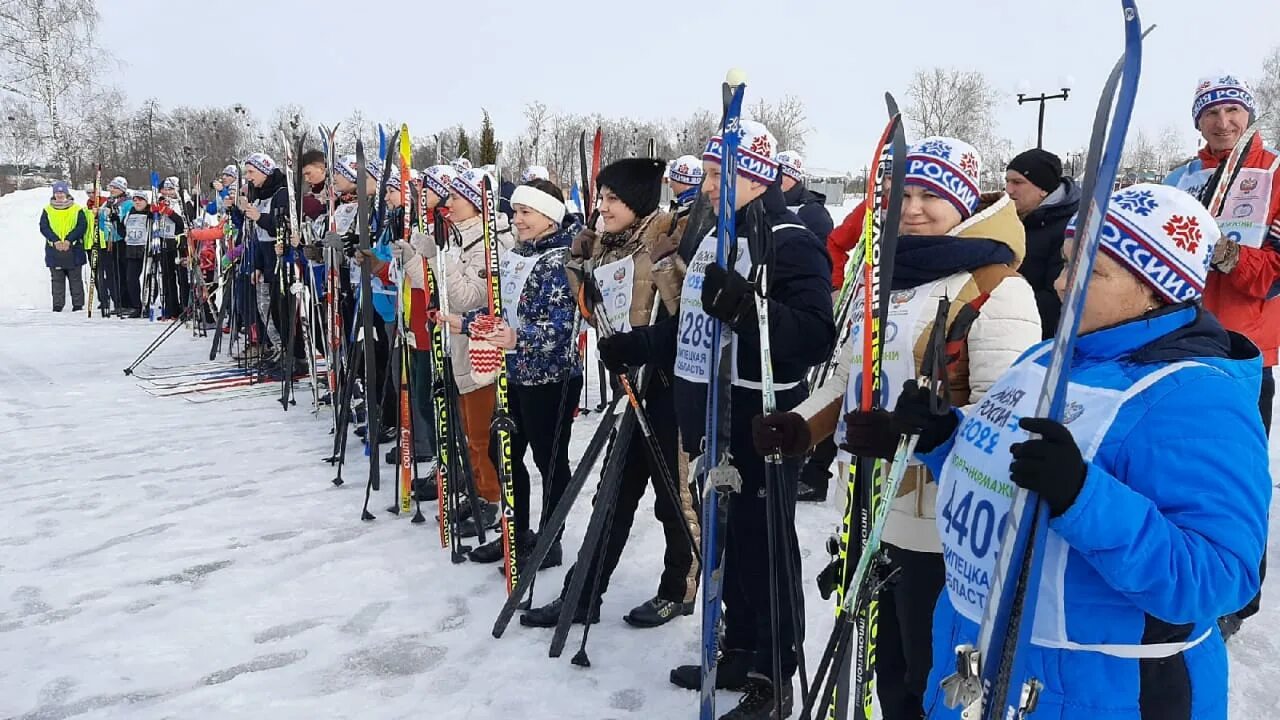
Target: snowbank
<point x="24" y="281"/>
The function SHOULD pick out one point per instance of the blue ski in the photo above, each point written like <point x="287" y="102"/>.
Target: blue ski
<point x="985" y="679"/>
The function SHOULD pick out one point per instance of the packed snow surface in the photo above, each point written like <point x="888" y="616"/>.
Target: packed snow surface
<point x="166" y="559"/>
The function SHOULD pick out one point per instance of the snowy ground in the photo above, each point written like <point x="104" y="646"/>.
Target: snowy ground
<point x="161" y="559"/>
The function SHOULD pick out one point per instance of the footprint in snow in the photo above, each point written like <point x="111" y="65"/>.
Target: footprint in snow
<point x="191" y="575"/>
<point x="29" y="601"/>
<point x="288" y="630"/>
<point x="398" y="657"/>
<point x="459" y="613"/>
<point x="629" y="700"/>
<point x="272" y="661"/>
<point x="365" y="618"/>
<point x="57" y="691"/>
<point x="87" y="705"/>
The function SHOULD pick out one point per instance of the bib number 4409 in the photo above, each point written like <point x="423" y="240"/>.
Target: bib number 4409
<point x="972" y="522"/>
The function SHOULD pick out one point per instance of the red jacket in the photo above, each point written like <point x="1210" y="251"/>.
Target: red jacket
<point x="844" y="239"/>
<point x="1239" y="299"/>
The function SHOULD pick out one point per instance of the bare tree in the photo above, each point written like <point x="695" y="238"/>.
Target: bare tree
<point x="1140" y="154"/>
<point x="20" y="139"/>
<point x="950" y="102"/>
<point x="785" y="119"/>
<point x="1172" y="149"/>
<point x="538" y="115"/>
<point x="46" y="51"/>
<point x="1266" y="91"/>
<point x="692" y="132"/>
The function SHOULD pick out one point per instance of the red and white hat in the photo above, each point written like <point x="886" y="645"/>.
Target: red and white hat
<point x="792" y="164"/>
<point x="756" y="147"/>
<point x="1163" y="236"/>
<point x="686" y="169"/>
<point x="438" y="179"/>
<point x="468" y="184"/>
<point x="948" y="168"/>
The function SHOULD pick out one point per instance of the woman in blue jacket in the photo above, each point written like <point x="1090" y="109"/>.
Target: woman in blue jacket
<point x="1157" y="483"/>
<point x="537" y="329"/>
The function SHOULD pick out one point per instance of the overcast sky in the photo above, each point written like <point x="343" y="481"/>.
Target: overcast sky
<point x="663" y="58"/>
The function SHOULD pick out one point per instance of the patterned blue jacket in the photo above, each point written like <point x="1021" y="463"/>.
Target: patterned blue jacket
<point x="545" y="351"/>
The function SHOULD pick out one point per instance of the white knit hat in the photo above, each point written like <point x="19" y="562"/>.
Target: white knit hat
<point x="439" y="179"/>
<point x="1221" y="90"/>
<point x="948" y="168"/>
<point x="262" y="162"/>
<point x="532" y="172"/>
<point x="469" y="185"/>
<point x="1163" y="236"/>
<point x="532" y="197"/>
<point x="686" y="169"/>
<point x="792" y="164"/>
<point x="756" y="160"/>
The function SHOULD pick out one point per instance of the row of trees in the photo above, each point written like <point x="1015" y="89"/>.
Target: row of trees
<point x="53" y="115"/>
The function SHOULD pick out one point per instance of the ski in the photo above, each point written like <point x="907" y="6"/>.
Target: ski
<point x="406" y="455"/>
<point x="503" y="425"/>
<point x="984" y="683"/>
<point x="861" y="588"/>
<point x="863" y="496"/>
<point x="366" y="320"/>
<point x="718" y="476"/>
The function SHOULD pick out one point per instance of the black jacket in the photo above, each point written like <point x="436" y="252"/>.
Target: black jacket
<point x="812" y="209"/>
<point x="801" y="327"/>
<point x="1045" y="227"/>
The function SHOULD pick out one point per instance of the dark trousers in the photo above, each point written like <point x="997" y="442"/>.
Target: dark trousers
<point x="168" y="258"/>
<point x="106" y="279"/>
<point x="59" y="279"/>
<point x="131" y="284"/>
<point x="746" y="549"/>
<point x="904" y="646"/>
<point x="420" y="402"/>
<point x="543" y="417"/>
<point x="1265" y="401"/>
<point x="680" y="570"/>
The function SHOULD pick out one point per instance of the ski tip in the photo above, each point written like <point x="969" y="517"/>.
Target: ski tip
<point x="735" y="77"/>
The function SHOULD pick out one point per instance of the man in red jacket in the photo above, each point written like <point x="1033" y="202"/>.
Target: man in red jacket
<point x="1246" y="261"/>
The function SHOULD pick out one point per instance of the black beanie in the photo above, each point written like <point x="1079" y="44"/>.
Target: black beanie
<point x="1041" y="167"/>
<point x="636" y="181"/>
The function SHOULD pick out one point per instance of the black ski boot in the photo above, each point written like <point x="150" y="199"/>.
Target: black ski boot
<point x="425" y="488"/>
<point x="657" y="611"/>
<point x="808" y="493"/>
<point x="758" y="702"/>
<point x="731" y="672"/>
<point x="554" y="558"/>
<point x="488" y="519"/>
<point x="548" y="615"/>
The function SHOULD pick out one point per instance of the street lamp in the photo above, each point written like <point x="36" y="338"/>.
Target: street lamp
<point x="1042" y="98"/>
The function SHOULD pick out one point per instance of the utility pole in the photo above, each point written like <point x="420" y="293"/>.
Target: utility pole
<point x="1042" y="98"/>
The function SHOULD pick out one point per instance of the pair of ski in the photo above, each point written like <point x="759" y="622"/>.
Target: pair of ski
<point x="991" y="679"/>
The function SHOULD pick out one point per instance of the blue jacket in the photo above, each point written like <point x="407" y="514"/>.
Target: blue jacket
<point x="545" y="350"/>
<point x="68" y="225"/>
<point x="1165" y="536"/>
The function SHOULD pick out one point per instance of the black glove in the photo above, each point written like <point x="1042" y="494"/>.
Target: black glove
<point x="782" y="432"/>
<point x="870" y="434"/>
<point x="1050" y="465"/>
<point x="914" y="414"/>
<point x="623" y="350"/>
<point x="727" y="296"/>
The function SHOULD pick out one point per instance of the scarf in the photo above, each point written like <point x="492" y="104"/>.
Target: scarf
<point x="62" y="205"/>
<point x="924" y="259"/>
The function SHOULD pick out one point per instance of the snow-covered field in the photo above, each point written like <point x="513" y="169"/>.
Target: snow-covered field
<point x="163" y="559"/>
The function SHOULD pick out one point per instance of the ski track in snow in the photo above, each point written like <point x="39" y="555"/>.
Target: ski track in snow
<point x="162" y="559"/>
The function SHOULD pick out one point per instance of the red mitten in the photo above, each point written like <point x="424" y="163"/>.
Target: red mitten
<point x="485" y="357"/>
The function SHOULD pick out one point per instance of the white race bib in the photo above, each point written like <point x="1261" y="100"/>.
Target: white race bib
<point x="135" y="230"/>
<point x="515" y="272"/>
<point x="616" y="281"/>
<point x="693" y="348"/>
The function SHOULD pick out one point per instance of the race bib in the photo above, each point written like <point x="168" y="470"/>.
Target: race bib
<point x="693" y="349"/>
<point x="616" y="282"/>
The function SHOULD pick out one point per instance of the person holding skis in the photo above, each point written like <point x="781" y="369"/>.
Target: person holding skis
<point x="1046" y="200"/>
<point x="955" y="244"/>
<point x="65" y="229"/>
<point x="172" y="228"/>
<point x="111" y="265"/>
<point x="133" y="224"/>
<point x="811" y="207"/>
<point x="543" y="370"/>
<point x="684" y="175"/>
<point x="619" y="257"/>
<point x="802" y="334"/>
<point x="264" y="210"/>
<point x="1140" y="561"/>
<point x="1244" y="274"/>
<point x="466" y="267"/>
